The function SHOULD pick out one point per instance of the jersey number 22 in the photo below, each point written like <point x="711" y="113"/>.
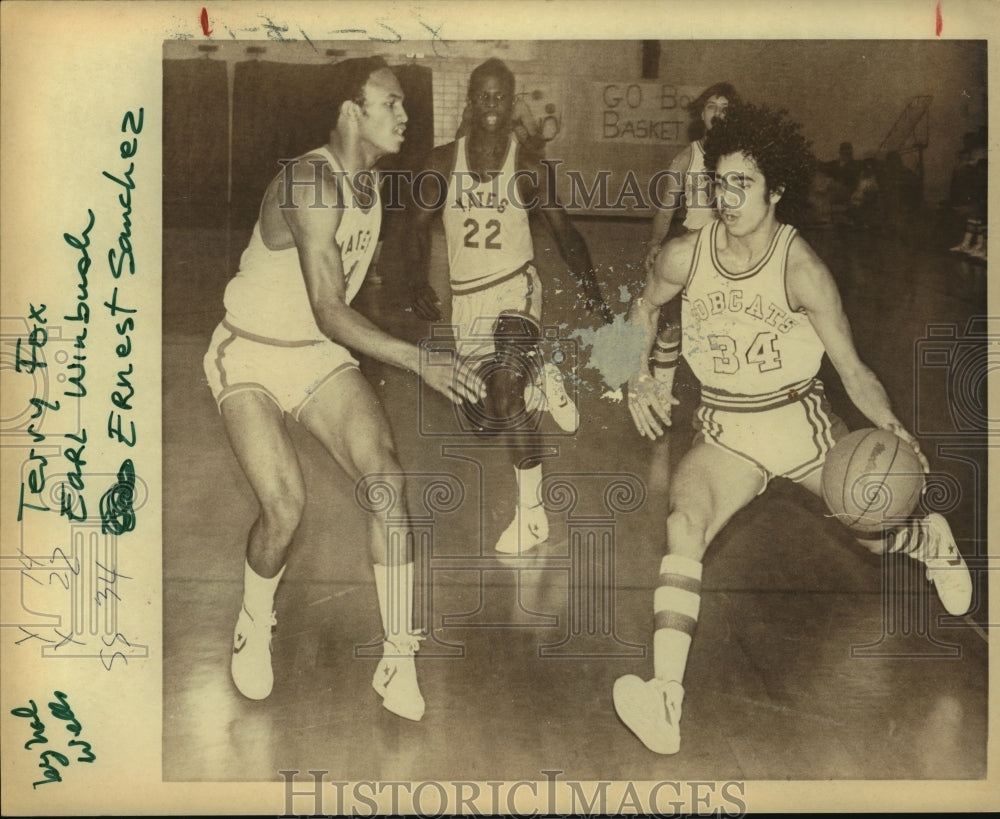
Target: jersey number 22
<point x="491" y="240"/>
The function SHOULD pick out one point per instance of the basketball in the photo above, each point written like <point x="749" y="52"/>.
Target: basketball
<point x="869" y="476"/>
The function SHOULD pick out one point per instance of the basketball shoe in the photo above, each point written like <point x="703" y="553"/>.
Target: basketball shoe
<point x="651" y="709"/>
<point x="529" y="528"/>
<point x="946" y="568"/>
<point x="395" y="677"/>
<point x="551" y="396"/>
<point x="251" y="663"/>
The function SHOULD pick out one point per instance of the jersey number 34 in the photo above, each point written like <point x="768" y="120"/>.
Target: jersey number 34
<point x="761" y="353"/>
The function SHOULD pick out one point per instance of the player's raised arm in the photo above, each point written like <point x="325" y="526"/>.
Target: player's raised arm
<point x="427" y="198"/>
<point x="649" y="407"/>
<point x="537" y="191"/>
<point x="811" y="288"/>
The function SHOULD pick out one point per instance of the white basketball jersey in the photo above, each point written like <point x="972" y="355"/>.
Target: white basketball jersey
<point x="268" y="295"/>
<point x="486" y="229"/>
<point x="699" y="196"/>
<point x="740" y="334"/>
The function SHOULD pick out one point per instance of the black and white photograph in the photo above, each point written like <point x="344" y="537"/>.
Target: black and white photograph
<point x="575" y="419"/>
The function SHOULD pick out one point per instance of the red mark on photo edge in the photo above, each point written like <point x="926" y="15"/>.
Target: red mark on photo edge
<point x="207" y="30"/>
<point x="938" y="22"/>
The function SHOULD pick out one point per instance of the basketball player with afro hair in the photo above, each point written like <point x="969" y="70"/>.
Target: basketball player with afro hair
<point x="759" y="310"/>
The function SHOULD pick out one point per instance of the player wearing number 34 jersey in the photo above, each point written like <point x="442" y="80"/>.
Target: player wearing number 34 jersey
<point x="752" y="352"/>
<point x="742" y="336"/>
<point x="759" y="310"/>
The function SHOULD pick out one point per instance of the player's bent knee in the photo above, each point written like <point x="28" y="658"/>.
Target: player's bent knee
<point x="686" y="535"/>
<point x="281" y="512"/>
<point x="517" y="330"/>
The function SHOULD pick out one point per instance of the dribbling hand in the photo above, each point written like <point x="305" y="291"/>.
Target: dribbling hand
<point x="900" y="432"/>
<point x="650" y="403"/>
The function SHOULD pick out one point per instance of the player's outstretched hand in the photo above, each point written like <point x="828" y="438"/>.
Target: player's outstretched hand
<point x="457" y="383"/>
<point x="902" y="433"/>
<point x="650" y="403"/>
<point x="426" y="303"/>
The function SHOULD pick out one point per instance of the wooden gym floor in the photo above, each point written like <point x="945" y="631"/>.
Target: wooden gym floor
<point x="811" y="659"/>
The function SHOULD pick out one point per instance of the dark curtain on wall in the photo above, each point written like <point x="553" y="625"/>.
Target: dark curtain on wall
<point x="195" y="143"/>
<point x="281" y="110"/>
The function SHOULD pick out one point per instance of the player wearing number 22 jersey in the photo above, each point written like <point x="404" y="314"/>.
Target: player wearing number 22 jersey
<point x="489" y="185"/>
<point x="488" y="238"/>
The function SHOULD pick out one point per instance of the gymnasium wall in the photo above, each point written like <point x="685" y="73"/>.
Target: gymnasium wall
<point x="607" y="117"/>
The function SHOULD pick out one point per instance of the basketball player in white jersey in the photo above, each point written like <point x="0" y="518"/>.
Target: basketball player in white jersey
<point x="759" y="311"/>
<point x="491" y="184"/>
<point x="688" y="186"/>
<point x="283" y="349"/>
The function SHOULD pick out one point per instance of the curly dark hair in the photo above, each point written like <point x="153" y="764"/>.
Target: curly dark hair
<point x="774" y="143"/>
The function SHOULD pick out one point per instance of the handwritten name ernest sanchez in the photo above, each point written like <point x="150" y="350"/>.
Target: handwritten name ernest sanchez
<point x="117" y="514"/>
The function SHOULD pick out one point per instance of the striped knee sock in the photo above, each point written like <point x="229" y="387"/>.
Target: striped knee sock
<point x="675" y="606"/>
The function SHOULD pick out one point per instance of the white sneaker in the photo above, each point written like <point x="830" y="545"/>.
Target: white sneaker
<point x="529" y="528"/>
<point x="651" y="710"/>
<point x="556" y="400"/>
<point x="395" y="678"/>
<point x="947" y="569"/>
<point x="251" y="663"/>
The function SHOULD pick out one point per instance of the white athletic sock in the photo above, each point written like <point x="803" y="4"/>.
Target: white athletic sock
<point x="529" y="481"/>
<point x="676" y="604"/>
<point x="258" y="592"/>
<point x="394" y="588"/>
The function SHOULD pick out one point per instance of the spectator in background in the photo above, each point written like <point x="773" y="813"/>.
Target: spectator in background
<point x="968" y="194"/>
<point x="846" y="170"/>
<point x="864" y="203"/>
<point x="843" y="173"/>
